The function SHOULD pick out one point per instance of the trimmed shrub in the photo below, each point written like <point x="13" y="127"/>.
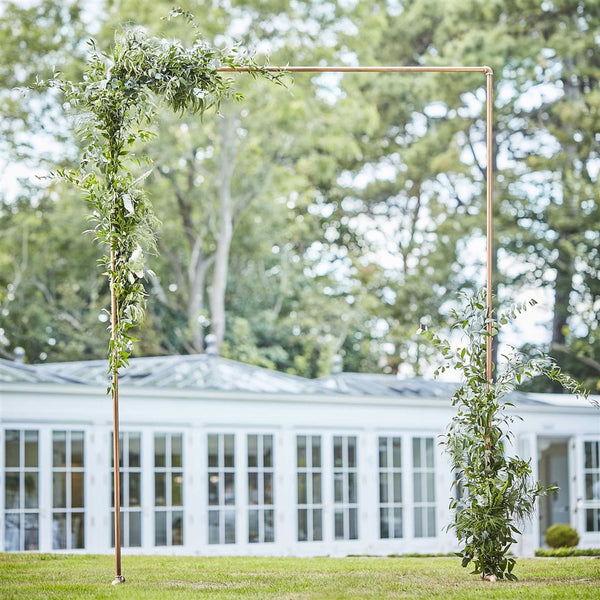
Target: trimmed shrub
<point x="561" y="535"/>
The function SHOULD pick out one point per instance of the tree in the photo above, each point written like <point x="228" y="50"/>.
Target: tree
<point x="50" y="299"/>
<point x="410" y="195"/>
<point x="382" y="166"/>
<point x="53" y="299"/>
<point x="544" y="149"/>
<point x="557" y="211"/>
<point x="34" y="41"/>
<point x="295" y="171"/>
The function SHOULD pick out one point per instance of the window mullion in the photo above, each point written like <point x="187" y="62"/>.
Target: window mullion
<point x="260" y="488"/>
<point x="67" y="489"/>
<point x="221" y="509"/>
<point x="169" y="491"/>
<point x="22" y="489"/>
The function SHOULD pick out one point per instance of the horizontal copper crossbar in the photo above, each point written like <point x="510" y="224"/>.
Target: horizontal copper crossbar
<point x="350" y="69"/>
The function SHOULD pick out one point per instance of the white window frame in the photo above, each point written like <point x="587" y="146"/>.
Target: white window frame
<point x="259" y="508"/>
<point x="126" y="471"/>
<point x="591" y="493"/>
<point x="422" y="508"/>
<point x="68" y="510"/>
<point x="309" y="472"/>
<point x="346" y="506"/>
<point x="22" y="470"/>
<point x="391" y="471"/>
<point x="222" y="509"/>
<point x="170" y="472"/>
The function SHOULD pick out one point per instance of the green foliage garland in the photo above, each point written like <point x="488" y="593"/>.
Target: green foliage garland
<point x="496" y="490"/>
<point x="115" y="100"/>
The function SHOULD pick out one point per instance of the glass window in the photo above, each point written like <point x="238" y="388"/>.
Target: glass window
<point x="12" y="490"/>
<point x="168" y="489"/>
<point x="592" y="455"/>
<point x="77" y="456"/>
<point x="301" y="451"/>
<point x="31" y="449"/>
<point x="424" y="487"/>
<point x="177" y="451"/>
<point x="592" y="470"/>
<point x="345" y="487"/>
<point x="131" y="489"/>
<point x="12" y="448"/>
<point x="221" y="488"/>
<point x="308" y="484"/>
<point x="68" y="490"/>
<point x="228" y="450"/>
<point x="261" y="519"/>
<point x="592" y="520"/>
<point x="59" y="448"/>
<point x="591" y="480"/>
<point x="21" y="490"/>
<point x="390" y="488"/>
<point x="160" y="448"/>
<point x="213" y="450"/>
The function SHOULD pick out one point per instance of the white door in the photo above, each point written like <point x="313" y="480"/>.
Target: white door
<point x="585" y="451"/>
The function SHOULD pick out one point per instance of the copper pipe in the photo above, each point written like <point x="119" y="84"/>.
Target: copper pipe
<point x="313" y="69"/>
<point x="489" y="230"/>
<point x="350" y="69"/>
<point x="115" y="397"/>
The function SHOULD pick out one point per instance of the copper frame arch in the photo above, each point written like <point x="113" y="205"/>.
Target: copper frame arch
<point x="489" y="181"/>
<point x="489" y="162"/>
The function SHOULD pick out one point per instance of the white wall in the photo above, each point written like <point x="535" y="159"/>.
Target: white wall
<point x="195" y="414"/>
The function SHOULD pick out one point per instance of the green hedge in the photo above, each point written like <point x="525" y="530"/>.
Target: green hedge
<point x="558" y="552"/>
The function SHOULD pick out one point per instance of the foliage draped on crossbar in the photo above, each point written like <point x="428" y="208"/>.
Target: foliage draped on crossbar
<point x="116" y="106"/>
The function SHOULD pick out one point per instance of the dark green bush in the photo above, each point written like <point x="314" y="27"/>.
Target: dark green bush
<point x="561" y="535"/>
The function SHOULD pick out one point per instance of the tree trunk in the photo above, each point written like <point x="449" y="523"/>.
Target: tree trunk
<point x="568" y="226"/>
<point x="198" y="267"/>
<point x="219" y="279"/>
<point x="565" y="269"/>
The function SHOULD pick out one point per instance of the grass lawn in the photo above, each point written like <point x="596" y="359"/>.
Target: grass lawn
<point x="37" y="576"/>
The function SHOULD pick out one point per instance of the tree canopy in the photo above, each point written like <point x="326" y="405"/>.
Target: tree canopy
<point x="332" y="218"/>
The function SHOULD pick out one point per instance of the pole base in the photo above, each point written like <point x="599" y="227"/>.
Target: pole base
<point x="118" y="580"/>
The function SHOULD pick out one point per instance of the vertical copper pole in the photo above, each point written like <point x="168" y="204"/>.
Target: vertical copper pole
<point x="489" y="185"/>
<point x="115" y="398"/>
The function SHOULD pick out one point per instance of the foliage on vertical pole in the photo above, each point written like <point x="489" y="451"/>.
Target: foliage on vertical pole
<point x="497" y="493"/>
<point x="115" y="101"/>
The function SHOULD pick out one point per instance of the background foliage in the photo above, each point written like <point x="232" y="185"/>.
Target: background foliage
<point x="331" y="219"/>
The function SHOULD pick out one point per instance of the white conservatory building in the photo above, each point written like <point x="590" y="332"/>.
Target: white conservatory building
<point x="223" y="458"/>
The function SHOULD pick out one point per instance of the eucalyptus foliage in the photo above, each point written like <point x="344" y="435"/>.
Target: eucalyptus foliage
<point x="497" y="493"/>
<point x="116" y="106"/>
